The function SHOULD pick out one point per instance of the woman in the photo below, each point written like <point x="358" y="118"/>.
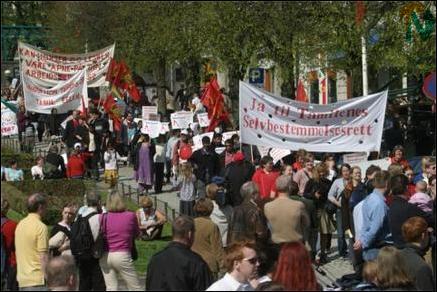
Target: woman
<point x="334" y="196"/>
<point x="221" y="216"/>
<point x="145" y="151"/>
<point x="329" y="160"/>
<point x="12" y="173"/>
<point x="397" y="156"/>
<point x="150" y="220"/>
<point x="120" y="228"/>
<point x="392" y="270"/>
<point x="265" y="178"/>
<point x="159" y="163"/>
<point x="294" y="270"/>
<point x="207" y="240"/>
<point x="431" y="187"/>
<point x="316" y="190"/>
<point x="300" y="157"/>
<point x="37" y="170"/>
<point x="185" y="184"/>
<point x="287" y="170"/>
<point x="76" y="165"/>
<point x="354" y="192"/>
<point x="304" y="174"/>
<point x="59" y="242"/>
<point x="411" y="185"/>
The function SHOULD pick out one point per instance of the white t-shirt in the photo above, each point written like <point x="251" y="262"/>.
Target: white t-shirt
<point x="110" y="160"/>
<point x="37" y="170"/>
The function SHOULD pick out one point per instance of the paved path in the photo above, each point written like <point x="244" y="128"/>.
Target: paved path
<point x="336" y="268"/>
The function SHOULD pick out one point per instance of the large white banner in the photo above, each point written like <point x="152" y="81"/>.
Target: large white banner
<point x="48" y="69"/>
<point x="351" y="125"/>
<point x="9" y="121"/>
<point x="67" y="95"/>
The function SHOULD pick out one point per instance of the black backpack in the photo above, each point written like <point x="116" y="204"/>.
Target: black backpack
<point x="82" y="240"/>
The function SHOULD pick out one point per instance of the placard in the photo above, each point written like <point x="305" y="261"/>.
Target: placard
<point x="181" y="120"/>
<point x="9" y="121"/>
<point x="203" y="120"/>
<point x="354" y="158"/>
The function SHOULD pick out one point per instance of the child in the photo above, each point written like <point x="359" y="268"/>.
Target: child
<point x="111" y="169"/>
<point x="421" y="199"/>
<point x="185" y="183"/>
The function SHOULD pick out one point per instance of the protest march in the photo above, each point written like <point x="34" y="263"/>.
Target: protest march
<point x="265" y="192"/>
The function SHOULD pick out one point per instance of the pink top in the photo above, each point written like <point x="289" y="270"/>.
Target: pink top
<point x="121" y="228"/>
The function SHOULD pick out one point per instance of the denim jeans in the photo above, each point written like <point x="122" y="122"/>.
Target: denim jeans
<point x="341" y="242"/>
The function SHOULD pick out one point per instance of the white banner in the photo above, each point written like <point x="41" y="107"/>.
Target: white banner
<point x="355" y="124"/>
<point x="9" y="121"/>
<point x="67" y="95"/>
<point x="149" y="110"/>
<point x="48" y="69"/>
<point x="164" y="128"/>
<point x="355" y="158"/>
<point x="382" y="163"/>
<point x="203" y="120"/>
<point x="181" y="120"/>
<point x="228" y="135"/>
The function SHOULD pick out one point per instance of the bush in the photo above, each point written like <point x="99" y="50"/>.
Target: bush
<point x="59" y="192"/>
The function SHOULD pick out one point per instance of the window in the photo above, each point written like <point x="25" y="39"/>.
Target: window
<point x="314" y="91"/>
<point x="332" y="90"/>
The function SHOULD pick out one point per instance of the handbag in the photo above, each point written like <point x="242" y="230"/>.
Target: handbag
<point x="330" y="208"/>
<point x="101" y="245"/>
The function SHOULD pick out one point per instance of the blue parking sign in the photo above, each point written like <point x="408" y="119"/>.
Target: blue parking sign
<point x="256" y="76"/>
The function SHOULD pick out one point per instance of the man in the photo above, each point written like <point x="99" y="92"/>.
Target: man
<point x="9" y="270"/>
<point x="31" y="246"/>
<point x="181" y="95"/>
<point x="247" y="221"/>
<point x="169" y="147"/>
<point x="400" y="210"/>
<point x="217" y="141"/>
<point x="415" y="233"/>
<point x="90" y="274"/>
<point x="177" y="267"/>
<point x="288" y="218"/>
<point x="265" y="178"/>
<point x="227" y="156"/>
<point x="98" y="127"/>
<point x="206" y="165"/>
<point x="61" y="274"/>
<point x="236" y="174"/>
<point x="241" y="263"/>
<point x="375" y="231"/>
<point x="182" y="142"/>
<point x="69" y="136"/>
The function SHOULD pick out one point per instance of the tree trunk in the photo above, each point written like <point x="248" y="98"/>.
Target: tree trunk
<point x="192" y="79"/>
<point x="235" y="74"/>
<point x="160" y="84"/>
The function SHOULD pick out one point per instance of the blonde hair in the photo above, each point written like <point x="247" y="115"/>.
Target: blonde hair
<point x="115" y="202"/>
<point x="211" y="191"/>
<point x="146" y="202"/>
<point x="321" y="167"/>
<point x="391" y="268"/>
<point x="186" y="170"/>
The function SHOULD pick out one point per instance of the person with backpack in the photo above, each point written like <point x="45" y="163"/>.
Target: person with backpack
<point x="84" y="234"/>
<point x="8" y="260"/>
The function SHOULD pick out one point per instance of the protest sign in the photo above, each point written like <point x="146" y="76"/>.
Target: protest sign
<point x="181" y="120"/>
<point x="355" y="158"/>
<point x="164" y="128"/>
<point x="203" y="120"/>
<point x="9" y="121"/>
<point x="382" y="163"/>
<point x="149" y="110"/>
<point x="197" y="140"/>
<point x="48" y="69"/>
<point x="152" y="128"/>
<point x="228" y="135"/>
<point x="272" y="121"/>
<point x="67" y="95"/>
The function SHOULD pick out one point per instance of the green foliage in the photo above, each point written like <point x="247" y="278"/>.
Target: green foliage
<point x="59" y="192"/>
<point x="23" y="12"/>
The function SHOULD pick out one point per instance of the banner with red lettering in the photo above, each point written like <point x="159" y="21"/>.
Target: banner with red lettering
<point x="48" y="69"/>
<point x="9" y="120"/>
<point x="67" y="95"/>
<point x="351" y="125"/>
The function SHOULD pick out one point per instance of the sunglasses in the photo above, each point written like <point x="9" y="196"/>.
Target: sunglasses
<point x="252" y="261"/>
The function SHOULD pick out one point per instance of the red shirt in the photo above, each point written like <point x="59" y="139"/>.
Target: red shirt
<point x="411" y="190"/>
<point x="296" y="166"/>
<point x="8" y="231"/>
<point x="76" y="166"/>
<point x="265" y="182"/>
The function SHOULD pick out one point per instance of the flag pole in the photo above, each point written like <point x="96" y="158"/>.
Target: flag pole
<point x="251" y="152"/>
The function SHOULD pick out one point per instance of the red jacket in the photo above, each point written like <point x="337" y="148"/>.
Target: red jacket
<point x="265" y="182"/>
<point x="76" y="166"/>
<point x="8" y="231"/>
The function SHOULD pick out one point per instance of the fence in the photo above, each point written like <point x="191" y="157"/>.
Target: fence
<point x="134" y="194"/>
<point x="27" y="146"/>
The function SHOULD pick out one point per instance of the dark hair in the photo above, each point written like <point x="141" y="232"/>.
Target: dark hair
<point x="398" y="184"/>
<point x="344" y="165"/>
<point x="372" y="169"/>
<point x="181" y="226"/>
<point x="35" y="201"/>
<point x="294" y="188"/>
<point x="93" y="199"/>
<point x="206" y="140"/>
<point x="229" y="141"/>
<point x="12" y="162"/>
<point x="268" y="255"/>
<point x="326" y="156"/>
<point x="265" y="160"/>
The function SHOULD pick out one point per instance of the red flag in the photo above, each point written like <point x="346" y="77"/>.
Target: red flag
<point x="113" y="112"/>
<point x="301" y="93"/>
<point x="128" y="83"/>
<point x="213" y="100"/>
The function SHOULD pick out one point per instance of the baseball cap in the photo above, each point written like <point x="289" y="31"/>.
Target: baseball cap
<point x="184" y="132"/>
<point x="77" y="145"/>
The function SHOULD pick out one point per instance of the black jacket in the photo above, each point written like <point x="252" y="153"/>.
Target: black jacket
<point x="417" y="268"/>
<point x="57" y="161"/>
<point x="399" y="212"/>
<point x="236" y="174"/>
<point x="206" y="164"/>
<point x="177" y="268"/>
<point x="69" y="135"/>
<point x="322" y="187"/>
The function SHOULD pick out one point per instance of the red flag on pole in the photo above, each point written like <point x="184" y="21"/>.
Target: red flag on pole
<point x="113" y="112"/>
<point x="301" y="93"/>
<point x="213" y="100"/>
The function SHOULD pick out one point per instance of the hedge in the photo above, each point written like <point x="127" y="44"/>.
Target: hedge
<point x="59" y="192"/>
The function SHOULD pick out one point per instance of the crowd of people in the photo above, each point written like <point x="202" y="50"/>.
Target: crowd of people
<point x="246" y="221"/>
